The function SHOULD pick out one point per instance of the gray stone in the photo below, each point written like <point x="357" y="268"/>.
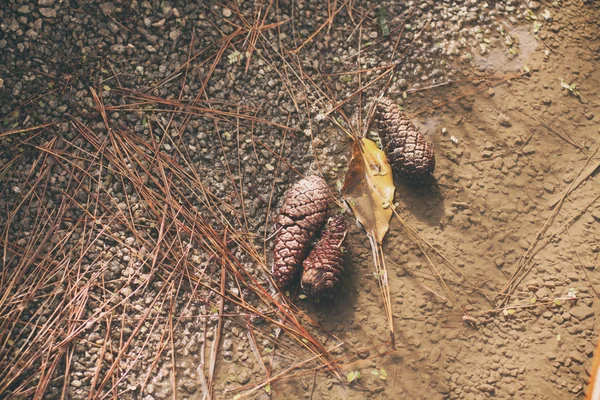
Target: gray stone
<point x="434" y="355"/>
<point x="543" y="293"/>
<point x="175" y="34"/>
<point x="575" y="329"/>
<point x="484" y="387"/>
<point x="581" y="312"/>
<point x="107" y="8"/>
<point x="568" y="177"/>
<point x="443" y="388"/>
<point x="243" y="377"/>
<point x="118" y="49"/>
<point x="48" y="12"/>
<point x="529" y="149"/>
<point x="363" y="354"/>
<point x="578" y="357"/>
<point x="188" y="385"/>
<point x="504" y="120"/>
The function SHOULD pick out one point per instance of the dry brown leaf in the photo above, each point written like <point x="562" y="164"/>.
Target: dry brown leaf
<point x="369" y="188"/>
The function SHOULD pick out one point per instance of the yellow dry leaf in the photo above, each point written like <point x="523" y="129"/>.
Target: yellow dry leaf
<point x="369" y="188"/>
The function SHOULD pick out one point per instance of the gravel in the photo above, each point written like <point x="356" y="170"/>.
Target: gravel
<point x="54" y="52"/>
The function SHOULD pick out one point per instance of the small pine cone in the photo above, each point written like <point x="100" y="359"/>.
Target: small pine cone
<point x="409" y="154"/>
<point x="322" y="269"/>
<point x="301" y="218"/>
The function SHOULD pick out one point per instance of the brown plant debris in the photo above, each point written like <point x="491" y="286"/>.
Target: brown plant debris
<point x="368" y="189"/>
<point x="322" y="269"/>
<point x="301" y="218"/>
<point x="410" y="155"/>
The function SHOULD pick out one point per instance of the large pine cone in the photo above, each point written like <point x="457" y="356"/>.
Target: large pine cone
<point x="409" y="154"/>
<point x="322" y="269"/>
<point x="301" y="218"/>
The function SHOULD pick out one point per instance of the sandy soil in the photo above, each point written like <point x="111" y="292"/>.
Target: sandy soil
<point x="505" y="157"/>
<point x="515" y="208"/>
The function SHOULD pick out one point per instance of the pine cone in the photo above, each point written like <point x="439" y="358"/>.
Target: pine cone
<point x="322" y="269"/>
<point x="409" y="154"/>
<point x="300" y="220"/>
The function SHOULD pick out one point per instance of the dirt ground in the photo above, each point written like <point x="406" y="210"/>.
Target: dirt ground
<point x="514" y="211"/>
<point x="518" y="147"/>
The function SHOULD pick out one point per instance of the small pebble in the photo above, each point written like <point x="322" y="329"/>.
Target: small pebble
<point x="549" y="187"/>
<point x="48" y="12"/>
<point x="581" y="312"/>
<point x="568" y="177"/>
<point x="484" y="387"/>
<point x="504" y="120"/>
